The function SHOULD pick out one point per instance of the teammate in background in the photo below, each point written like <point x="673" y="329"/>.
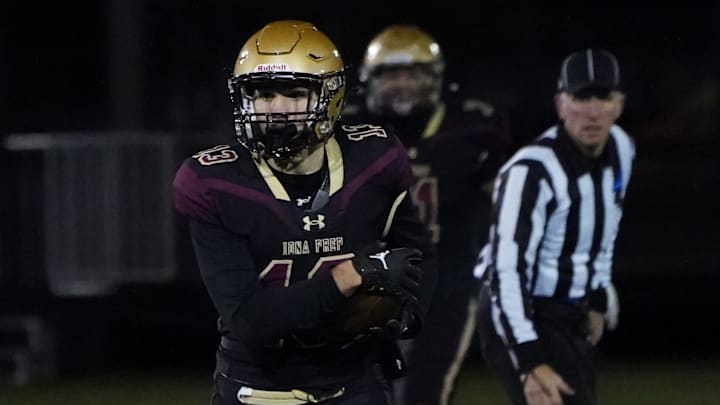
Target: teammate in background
<point x="556" y="215"/>
<point x="284" y="225"/>
<point x="456" y="147"/>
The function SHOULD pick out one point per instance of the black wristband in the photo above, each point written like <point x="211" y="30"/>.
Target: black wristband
<point x="529" y="355"/>
<point x="598" y="300"/>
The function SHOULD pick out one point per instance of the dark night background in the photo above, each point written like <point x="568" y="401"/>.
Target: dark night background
<point x="100" y="67"/>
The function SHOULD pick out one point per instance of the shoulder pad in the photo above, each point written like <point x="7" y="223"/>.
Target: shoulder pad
<point x="474" y="104"/>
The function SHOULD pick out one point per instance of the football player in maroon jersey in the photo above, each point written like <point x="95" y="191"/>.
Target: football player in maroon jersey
<point x="285" y="225"/>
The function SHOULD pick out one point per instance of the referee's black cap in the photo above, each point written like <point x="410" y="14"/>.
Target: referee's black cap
<point x="591" y="70"/>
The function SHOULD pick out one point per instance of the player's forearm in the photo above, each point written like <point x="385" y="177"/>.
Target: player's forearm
<point x="346" y="278"/>
<point x="249" y="311"/>
<point x="269" y="314"/>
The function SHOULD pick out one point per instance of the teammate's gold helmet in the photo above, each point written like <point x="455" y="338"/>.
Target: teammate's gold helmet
<point x="396" y="47"/>
<point x="293" y="52"/>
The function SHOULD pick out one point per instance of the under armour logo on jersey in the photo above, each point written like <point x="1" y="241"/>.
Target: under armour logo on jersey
<point x="381" y="256"/>
<point x="309" y="223"/>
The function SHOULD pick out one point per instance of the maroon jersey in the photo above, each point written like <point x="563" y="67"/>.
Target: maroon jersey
<point x="264" y="256"/>
<point x="456" y="162"/>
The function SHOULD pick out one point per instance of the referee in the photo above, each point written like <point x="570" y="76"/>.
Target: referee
<point x="557" y="205"/>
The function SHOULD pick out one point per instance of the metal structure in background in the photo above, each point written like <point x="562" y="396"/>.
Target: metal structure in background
<point x="27" y="351"/>
<point x="106" y="206"/>
<point x="91" y="212"/>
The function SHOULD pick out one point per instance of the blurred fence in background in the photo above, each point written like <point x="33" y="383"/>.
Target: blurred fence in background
<point x="105" y="206"/>
<point x="87" y="214"/>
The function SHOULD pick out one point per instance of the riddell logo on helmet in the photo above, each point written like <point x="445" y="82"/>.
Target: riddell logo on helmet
<point x="272" y="67"/>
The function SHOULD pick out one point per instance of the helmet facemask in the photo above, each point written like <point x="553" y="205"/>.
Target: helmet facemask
<point x="403" y="70"/>
<point x="283" y="135"/>
<point x="404" y="89"/>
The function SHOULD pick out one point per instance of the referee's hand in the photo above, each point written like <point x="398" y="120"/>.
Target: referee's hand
<point x="543" y="386"/>
<point x="596" y="327"/>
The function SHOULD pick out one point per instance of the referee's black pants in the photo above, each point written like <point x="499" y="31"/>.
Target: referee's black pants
<point x="562" y="329"/>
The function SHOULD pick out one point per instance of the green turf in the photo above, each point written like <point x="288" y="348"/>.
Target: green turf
<point x="113" y="389"/>
<point x="677" y="382"/>
<point x="690" y="381"/>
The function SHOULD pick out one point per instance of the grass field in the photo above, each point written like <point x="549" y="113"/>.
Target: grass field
<point x="677" y="382"/>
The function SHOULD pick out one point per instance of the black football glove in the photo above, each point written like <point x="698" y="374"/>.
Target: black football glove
<point x="395" y="328"/>
<point x="392" y="271"/>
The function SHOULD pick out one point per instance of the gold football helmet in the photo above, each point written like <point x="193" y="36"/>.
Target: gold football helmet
<point x="402" y="48"/>
<point x="293" y="53"/>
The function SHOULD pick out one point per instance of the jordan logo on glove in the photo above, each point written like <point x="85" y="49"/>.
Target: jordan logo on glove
<point x="381" y="257"/>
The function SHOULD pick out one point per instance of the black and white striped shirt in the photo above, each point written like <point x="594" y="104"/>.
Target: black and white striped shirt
<point x="555" y="220"/>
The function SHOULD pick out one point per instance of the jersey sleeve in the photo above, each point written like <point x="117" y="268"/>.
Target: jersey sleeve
<point x="191" y="196"/>
<point x="251" y="313"/>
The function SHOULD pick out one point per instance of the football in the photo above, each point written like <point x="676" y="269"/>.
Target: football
<point x="362" y="312"/>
